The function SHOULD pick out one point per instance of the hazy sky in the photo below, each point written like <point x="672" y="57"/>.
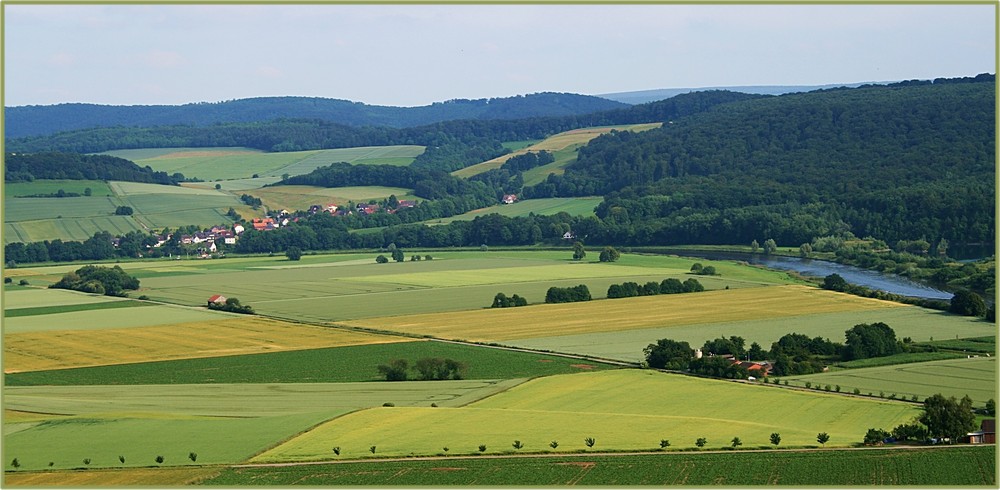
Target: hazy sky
<point x="411" y="55"/>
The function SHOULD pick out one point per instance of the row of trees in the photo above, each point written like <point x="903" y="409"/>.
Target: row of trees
<point x="501" y="300"/>
<point x="568" y="295"/>
<point x="667" y="286"/>
<point x="232" y="305"/>
<point x="26" y="167"/>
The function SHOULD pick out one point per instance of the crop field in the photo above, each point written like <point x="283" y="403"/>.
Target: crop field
<point x="228" y="163"/>
<point x="37" y="298"/>
<point x="88" y="320"/>
<point x="154" y="477"/>
<point x="906" y="321"/>
<point x="214" y="335"/>
<point x="569" y="140"/>
<point x="98" y="188"/>
<point x="221" y="423"/>
<point x="575" y="206"/>
<point x="350" y="363"/>
<point x="294" y="197"/>
<point x="617" y="315"/>
<point x="620" y="409"/>
<point x="976" y="377"/>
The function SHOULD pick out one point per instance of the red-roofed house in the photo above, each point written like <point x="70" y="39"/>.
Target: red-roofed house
<point x="217" y="299"/>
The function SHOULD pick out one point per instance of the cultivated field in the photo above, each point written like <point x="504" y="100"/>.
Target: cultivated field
<point x="240" y="163"/>
<point x="104" y="319"/>
<point x="294" y="197"/>
<point x="98" y="188"/>
<point x="617" y="315"/>
<point x="621" y="410"/>
<point x="223" y="424"/>
<point x="345" y="364"/>
<point x="562" y="142"/>
<point x="213" y="336"/>
<point x="575" y="206"/>
<point x="937" y="467"/>
<point x="976" y="377"/>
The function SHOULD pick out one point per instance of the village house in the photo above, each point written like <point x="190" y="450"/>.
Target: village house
<point x="217" y="299"/>
<point x="987" y="433"/>
<point x="367" y="208"/>
<point x="238" y="228"/>
<point x="509" y="198"/>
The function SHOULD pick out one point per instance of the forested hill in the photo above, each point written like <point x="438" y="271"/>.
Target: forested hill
<point x="312" y="134"/>
<point x="893" y="162"/>
<point x="43" y="120"/>
<point x="54" y="165"/>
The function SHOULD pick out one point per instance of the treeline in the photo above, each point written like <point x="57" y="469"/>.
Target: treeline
<point x="20" y="167"/>
<point x="667" y="286"/>
<point x="97" y="247"/>
<point x="792" y="354"/>
<point x="293" y="134"/>
<point x="509" y="178"/>
<point x="41" y="120"/>
<point x="894" y="162"/>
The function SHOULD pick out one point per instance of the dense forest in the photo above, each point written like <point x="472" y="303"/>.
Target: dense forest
<point x="897" y="162"/>
<point x="310" y="134"/>
<point x="44" y="120"/>
<point x="55" y="165"/>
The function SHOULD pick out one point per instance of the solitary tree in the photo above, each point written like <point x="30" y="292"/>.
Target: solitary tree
<point x="398" y="255"/>
<point x="293" y="253"/>
<point x="967" y="303"/>
<point x="754" y="247"/>
<point x="193" y="456"/>
<point x="822" y="437"/>
<point x="805" y="250"/>
<point x="701" y="442"/>
<point x="381" y="259"/>
<point x="664" y="443"/>
<point x="159" y="459"/>
<point x="775" y="438"/>
<point x="554" y="444"/>
<point x="589" y="442"/>
<point x="16" y="464"/>
<point x="737" y="442"/>
<point x="336" y="450"/>
<point x="121" y="459"/>
<point x="482" y="448"/>
<point x="609" y="254"/>
<point x="372" y="449"/>
<point x="517" y="444"/>
<point x="578" y="252"/>
<point x="770" y="246"/>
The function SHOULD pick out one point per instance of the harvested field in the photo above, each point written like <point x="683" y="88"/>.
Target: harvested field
<point x="155" y="477"/>
<point x="36" y="351"/>
<point x="498" y="324"/>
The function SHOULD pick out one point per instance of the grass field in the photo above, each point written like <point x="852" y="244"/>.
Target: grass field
<point x="569" y="140"/>
<point x="90" y="320"/>
<point x="229" y="163"/>
<point x="48" y="310"/>
<point x="620" y="409"/>
<point x="39" y="298"/>
<point x="976" y="377"/>
<point x="98" y="188"/>
<point x="300" y="197"/>
<point x="575" y="206"/>
<point x="217" y="335"/>
<point x="349" y="363"/>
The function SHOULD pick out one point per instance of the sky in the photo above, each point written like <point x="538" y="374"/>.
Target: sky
<point x="412" y="55"/>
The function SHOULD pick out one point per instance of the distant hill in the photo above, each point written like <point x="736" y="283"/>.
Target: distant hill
<point x="643" y="96"/>
<point x="35" y="120"/>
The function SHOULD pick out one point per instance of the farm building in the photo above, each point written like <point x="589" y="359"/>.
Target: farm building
<point x="217" y="299"/>
<point x="986" y="433"/>
<point x="509" y="198"/>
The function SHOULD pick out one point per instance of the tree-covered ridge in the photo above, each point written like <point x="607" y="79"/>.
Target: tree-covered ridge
<point x="294" y="134"/>
<point x="44" y="120"/>
<point x="19" y="167"/>
<point x="895" y="162"/>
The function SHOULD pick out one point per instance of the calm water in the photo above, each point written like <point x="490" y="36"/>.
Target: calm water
<point x="820" y="268"/>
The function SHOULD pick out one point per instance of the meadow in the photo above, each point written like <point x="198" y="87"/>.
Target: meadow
<point x="619" y="409"/>
<point x="98" y="188"/>
<point x="293" y="197"/>
<point x="213" y="164"/>
<point x="566" y="141"/>
<point x="347" y="363"/>
<point x="575" y="206"/>
<point x="975" y="377"/>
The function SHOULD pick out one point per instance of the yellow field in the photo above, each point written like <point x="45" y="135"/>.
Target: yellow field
<point x="155" y="477"/>
<point x="498" y="324"/>
<point x="620" y="409"/>
<point x="41" y="351"/>
<point x="551" y="144"/>
<point x="303" y="196"/>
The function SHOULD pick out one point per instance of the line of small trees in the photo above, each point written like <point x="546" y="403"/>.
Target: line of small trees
<point x="193" y="456"/>
<point x="667" y="286"/>
<point x="568" y="295"/>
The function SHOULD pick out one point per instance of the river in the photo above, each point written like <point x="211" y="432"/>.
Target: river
<point x="890" y="283"/>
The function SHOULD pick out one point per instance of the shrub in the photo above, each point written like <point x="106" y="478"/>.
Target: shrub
<point x="388" y="404"/>
<point x="122" y="459"/>
<point x="7" y="280"/>
<point x="482" y="448"/>
<point x="193" y="456"/>
<point x="16" y="464"/>
<point x="159" y="459"/>
<point x="664" y="443"/>
<point x="86" y="461"/>
<point x="23" y="282"/>
<point x="381" y="259"/>
<point x="700" y="442"/>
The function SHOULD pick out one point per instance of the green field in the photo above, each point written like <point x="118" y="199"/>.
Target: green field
<point x="575" y="206"/>
<point x="78" y="218"/>
<point x="48" y="310"/>
<point x="620" y="409"/>
<point x="109" y="319"/>
<point x="300" y="197"/>
<point x="936" y="467"/>
<point x="221" y="423"/>
<point x="38" y="298"/>
<point x="98" y="188"/>
<point x="334" y="365"/>
<point x="975" y="377"/>
<point x="906" y="321"/>
<point x="241" y="163"/>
